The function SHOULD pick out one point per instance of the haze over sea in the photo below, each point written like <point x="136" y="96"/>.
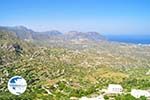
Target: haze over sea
<point x="136" y="39"/>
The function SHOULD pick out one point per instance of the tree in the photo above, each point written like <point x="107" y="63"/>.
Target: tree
<point x="125" y="97"/>
<point x="143" y="98"/>
<point x="18" y="49"/>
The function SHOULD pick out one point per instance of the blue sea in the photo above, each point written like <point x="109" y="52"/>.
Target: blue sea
<point x="136" y="39"/>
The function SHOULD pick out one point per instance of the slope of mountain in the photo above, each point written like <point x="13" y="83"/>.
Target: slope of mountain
<point x="46" y="36"/>
<point x="20" y="31"/>
<point x="59" y="73"/>
<point x="54" y="35"/>
<point x="10" y="45"/>
<point x="80" y="36"/>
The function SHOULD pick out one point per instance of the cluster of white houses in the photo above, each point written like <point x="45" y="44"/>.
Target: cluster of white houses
<point x="114" y="89"/>
<point x="118" y="89"/>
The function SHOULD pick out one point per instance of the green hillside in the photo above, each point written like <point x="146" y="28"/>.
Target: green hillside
<point x="59" y="73"/>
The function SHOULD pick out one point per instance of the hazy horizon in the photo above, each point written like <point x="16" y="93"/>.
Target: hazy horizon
<point x="103" y="16"/>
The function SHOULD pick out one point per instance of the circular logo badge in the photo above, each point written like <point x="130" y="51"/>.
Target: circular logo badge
<point x="17" y="85"/>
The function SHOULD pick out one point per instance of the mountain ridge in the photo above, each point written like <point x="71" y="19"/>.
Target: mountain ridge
<point x="28" y="34"/>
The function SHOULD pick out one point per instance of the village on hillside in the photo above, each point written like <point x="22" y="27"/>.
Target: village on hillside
<point x="116" y="89"/>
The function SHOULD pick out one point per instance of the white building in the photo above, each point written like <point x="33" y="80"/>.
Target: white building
<point x="139" y="93"/>
<point x="93" y="98"/>
<point x="148" y="73"/>
<point x="114" y="89"/>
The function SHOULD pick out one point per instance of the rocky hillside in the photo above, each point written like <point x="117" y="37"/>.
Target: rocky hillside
<point x="54" y="35"/>
<point x="72" y="69"/>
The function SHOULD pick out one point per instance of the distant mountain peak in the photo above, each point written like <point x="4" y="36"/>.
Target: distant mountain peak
<point x="52" y="32"/>
<point x="20" y="26"/>
<point x="73" y="32"/>
<point x="96" y="33"/>
<point x="89" y="36"/>
<point x="27" y="34"/>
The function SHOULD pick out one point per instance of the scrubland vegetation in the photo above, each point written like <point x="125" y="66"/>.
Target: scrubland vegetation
<point x="57" y="73"/>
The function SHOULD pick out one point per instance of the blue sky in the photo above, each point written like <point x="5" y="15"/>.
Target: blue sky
<point x="104" y="16"/>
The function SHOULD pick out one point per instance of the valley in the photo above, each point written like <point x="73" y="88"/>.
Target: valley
<point x="59" y="67"/>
